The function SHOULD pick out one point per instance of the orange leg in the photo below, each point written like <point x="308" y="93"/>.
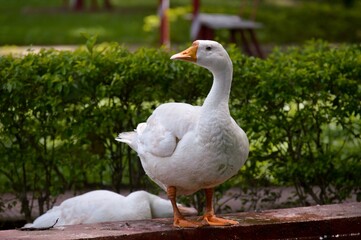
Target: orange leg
<point x="179" y="220"/>
<point x="209" y="215"/>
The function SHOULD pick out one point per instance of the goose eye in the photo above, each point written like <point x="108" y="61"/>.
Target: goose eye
<point x="208" y="48"/>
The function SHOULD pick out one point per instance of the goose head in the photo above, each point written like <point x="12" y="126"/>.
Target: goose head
<point x="205" y="53"/>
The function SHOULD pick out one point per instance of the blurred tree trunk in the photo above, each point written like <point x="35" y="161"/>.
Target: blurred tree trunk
<point x="78" y="5"/>
<point x="65" y="4"/>
<point x="348" y="3"/>
<point x="94" y="5"/>
<point x="108" y="5"/>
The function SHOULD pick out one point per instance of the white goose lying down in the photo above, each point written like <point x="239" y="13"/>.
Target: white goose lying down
<point x="106" y="206"/>
<point x="185" y="148"/>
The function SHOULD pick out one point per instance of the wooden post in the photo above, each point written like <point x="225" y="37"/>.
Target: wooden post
<point x="195" y="20"/>
<point x="196" y="6"/>
<point x="164" y="22"/>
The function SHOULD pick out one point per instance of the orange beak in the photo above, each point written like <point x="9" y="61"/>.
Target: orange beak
<point x="189" y="55"/>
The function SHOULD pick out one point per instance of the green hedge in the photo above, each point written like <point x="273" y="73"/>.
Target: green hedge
<point x="302" y="111"/>
<point x="60" y="112"/>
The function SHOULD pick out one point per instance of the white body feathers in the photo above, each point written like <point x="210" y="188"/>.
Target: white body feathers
<point x="106" y="206"/>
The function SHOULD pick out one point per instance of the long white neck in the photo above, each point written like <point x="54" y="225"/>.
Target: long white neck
<point x="219" y="95"/>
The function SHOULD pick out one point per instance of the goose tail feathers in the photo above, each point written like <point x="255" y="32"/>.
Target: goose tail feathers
<point x="126" y="137"/>
<point x="130" y="138"/>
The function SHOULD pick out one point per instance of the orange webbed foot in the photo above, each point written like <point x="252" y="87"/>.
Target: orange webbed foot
<point x="217" y="221"/>
<point x="183" y="223"/>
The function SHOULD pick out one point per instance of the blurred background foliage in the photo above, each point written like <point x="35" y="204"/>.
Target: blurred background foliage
<point x="37" y="22"/>
<point x="61" y="110"/>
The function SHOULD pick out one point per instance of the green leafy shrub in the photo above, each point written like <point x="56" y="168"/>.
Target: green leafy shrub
<point x="301" y="109"/>
<point x="60" y="112"/>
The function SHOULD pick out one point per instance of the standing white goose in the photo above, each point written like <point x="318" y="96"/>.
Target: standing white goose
<point x="185" y="148"/>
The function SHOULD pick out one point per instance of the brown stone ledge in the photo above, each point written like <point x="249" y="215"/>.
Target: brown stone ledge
<point x="338" y="221"/>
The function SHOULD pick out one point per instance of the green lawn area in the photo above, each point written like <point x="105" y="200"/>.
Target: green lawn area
<point x="44" y="23"/>
<point x="39" y="22"/>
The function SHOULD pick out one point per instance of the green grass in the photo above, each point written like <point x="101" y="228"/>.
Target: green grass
<point x="39" y="22"/>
